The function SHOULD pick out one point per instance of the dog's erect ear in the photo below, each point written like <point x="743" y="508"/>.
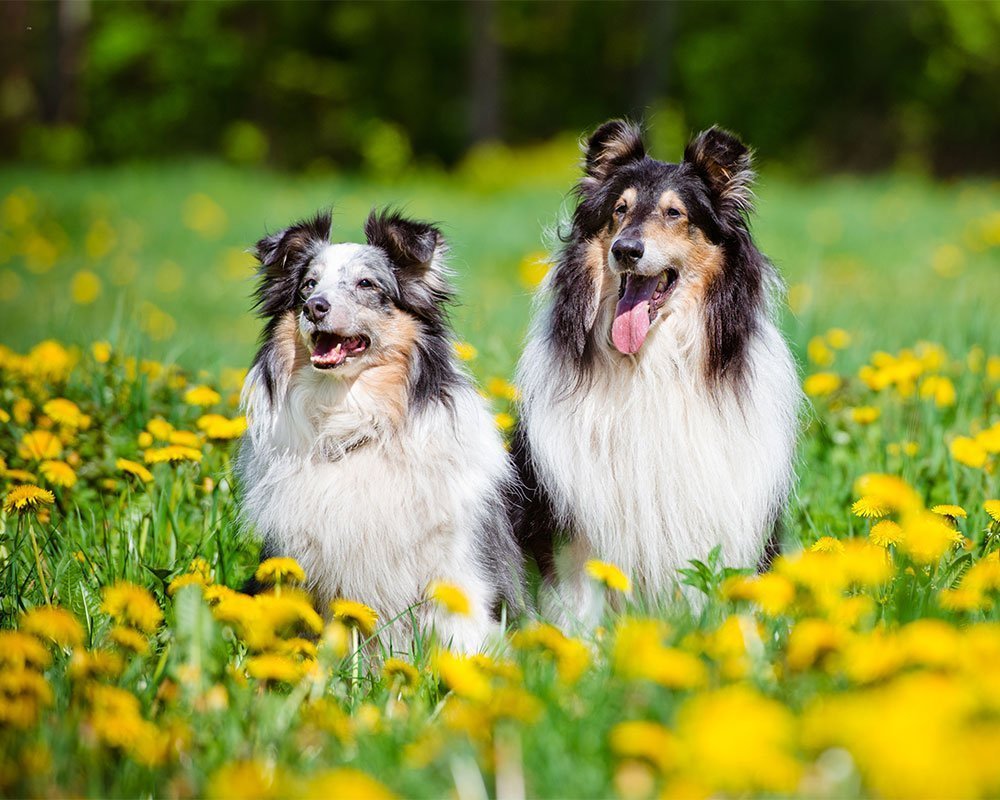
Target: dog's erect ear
<point x="615" y="143"/>
<point x="416" y="251"/>
<point x="409" y="244"/>
<point x="724" y="162"/>
<point x="282" y="249"/>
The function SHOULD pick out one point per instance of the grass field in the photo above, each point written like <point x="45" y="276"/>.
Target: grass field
<point x="865" y="664"/>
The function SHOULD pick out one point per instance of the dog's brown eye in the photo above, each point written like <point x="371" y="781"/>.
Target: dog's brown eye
<point x="673" y="213"/>
<point x="364" y="283"/>
<point x="620" y="209"/>
<point x="308" y="286"/>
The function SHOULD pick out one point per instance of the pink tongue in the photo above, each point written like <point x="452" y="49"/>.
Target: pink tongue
<point x="631" y="324"/>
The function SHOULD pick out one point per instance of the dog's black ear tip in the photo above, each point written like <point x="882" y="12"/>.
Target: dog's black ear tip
<point x="718" y="144"/>
<point x="612" y="144"/>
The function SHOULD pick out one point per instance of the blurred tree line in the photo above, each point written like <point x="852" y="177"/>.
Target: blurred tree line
<point x="817" y="85"/>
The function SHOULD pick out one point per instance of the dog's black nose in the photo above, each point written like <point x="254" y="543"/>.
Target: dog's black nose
<point x="628" y="251"/>
<point x="316" y="308"/>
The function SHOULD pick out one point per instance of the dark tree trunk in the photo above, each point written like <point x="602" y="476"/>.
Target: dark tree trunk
<point x="70" y="30"/>
<point x="484" y="72"/>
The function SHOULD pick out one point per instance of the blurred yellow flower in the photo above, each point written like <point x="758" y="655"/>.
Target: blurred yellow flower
<point x="172" y="453"/>
<point x="461" y="675"/>
<point x="498" y="387"/>
<point x="827" y="544"/>
<point x="819" y="353"/>
<point x="865" y="415"/>
<point x="204" y="216"/>
<point x="251" y="780"/>
<point x="993" y="509"/>
<point x="85" y="287"/>
<point x="273" y="667"/>
<point x="346" y="782"/>
<point x="838" y="338"/>
<point x="90" y="664"/>
<point x="395" y="669"/>
<point x="101" y="352"/>
<point x="465" y="351"/>
<point x="202" y="396"/>
<point x="39" y="446"/>
<point x="821" y="384"/>
<point x="354" y="614"/>
<point x="609" y="575"/>
<point x="134" y="468"/>
<point x="449" y="597"/>
<point x="185" y="439"/>
<point x="889" y="491"/>
<point x="533" y="269"/>
<point x="645" y="741"/>
<point x="54" y="623"/>
<point x="504" y="421"/>
<point x="772" y="592"/>
<point x="66" y="413"/>
<point x="926" y="537"/>
<point x="19" y="650"/>
<point x="941" y="389"/>
<point x="129" y="639"/>
<point x="216" y="426"/>
<point x="26" y="498"/>
<point x="968" y="452"/>
<point x="133" y="605"/>
<point x="58" y="473"/>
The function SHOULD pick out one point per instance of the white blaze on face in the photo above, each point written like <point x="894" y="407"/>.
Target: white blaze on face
<point x="332" y="264"/>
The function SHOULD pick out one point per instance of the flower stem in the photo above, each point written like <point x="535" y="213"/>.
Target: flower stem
<point x="38" y="562"/>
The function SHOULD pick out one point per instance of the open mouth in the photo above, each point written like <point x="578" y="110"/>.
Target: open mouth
<point x="330" y="350"/>
<point x="639" y="301"/>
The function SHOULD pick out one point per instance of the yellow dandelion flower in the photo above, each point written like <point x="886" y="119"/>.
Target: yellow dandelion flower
<point x="132" y="605"/>
<point x="869" y="508"/>
<point x="462" y="676"/>
<point x="66" y="413"/>
<point x="39" y="445"/>
<point x="297" y="647"/>
<point x="888" y="490"/>
<point x="644" y="741"/>
<point x="90" y="664"/>
<point x="20" y="475"/>
<point x="279" y="570"/>
<point x="449" y="597"/>
<point x="395" y="669"/>
<point x="247" y="779"/>
<point x="202" y="396"/>
<point x="818" y="353"/>
<point x="144" y="439"/>
<point x="969" y="452"/>
<point x="19" y="650"/>
<point x="609" y="575"/>
<point x="26" y="498"/>
<point x="533" y="269"/>
<point x="173" y="453"/>
<point x="185" y="439"/>
<point x="160" y="429"/>
<point x="129" y="639"/>
<point x="953" y="512"/>
<point x="101" y="351"/>
<point x="821" y="384"/>
<point x="772" y="592"/>
<point x="865" y="415"/>
<point x="274" y="667"/>
<point x="357" y="615"/>
<point x="465" y="351"/>
<point x="186" y="579"/>
<point x="504" y="421"/>
<point x="53" y="623"/>
<point x="827" y="544"/>
<point x="218" y="427"/>
<point x="498" y="387"/>
<point x="346" y="782"/>
<point x="4" y="417"/>
<point x="58" y="473"/>
<point x="134" y="468"/>
<point x="885" y="533"/>
<point x="838" y="338"/>
<point x="926" y="537"/>
<point x="993" y="509"/>
<point x="50" y="361"/>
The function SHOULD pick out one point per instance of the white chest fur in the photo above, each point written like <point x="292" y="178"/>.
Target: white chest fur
<point x="647" y="468"/>
<point x="374" y="512"/>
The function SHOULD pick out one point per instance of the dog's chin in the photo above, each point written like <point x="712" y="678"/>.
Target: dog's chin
<point x="331" y="351"/>
<point x="640" y="301"/>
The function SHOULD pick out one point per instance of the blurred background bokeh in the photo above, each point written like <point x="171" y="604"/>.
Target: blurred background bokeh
<point x="145" y="145"/>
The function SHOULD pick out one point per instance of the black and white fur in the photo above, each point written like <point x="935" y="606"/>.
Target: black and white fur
<point x="653" y="456"/>
<point x="370" y="458"/>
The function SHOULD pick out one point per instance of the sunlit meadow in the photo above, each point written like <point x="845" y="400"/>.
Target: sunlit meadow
<point x="865" y="663"/>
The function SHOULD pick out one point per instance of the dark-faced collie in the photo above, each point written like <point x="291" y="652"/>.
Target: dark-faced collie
<point x="659" y="410"/>
<point x="370" y="458"/>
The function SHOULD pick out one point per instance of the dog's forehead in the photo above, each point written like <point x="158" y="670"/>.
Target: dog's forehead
<point x="348" y="258"/>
